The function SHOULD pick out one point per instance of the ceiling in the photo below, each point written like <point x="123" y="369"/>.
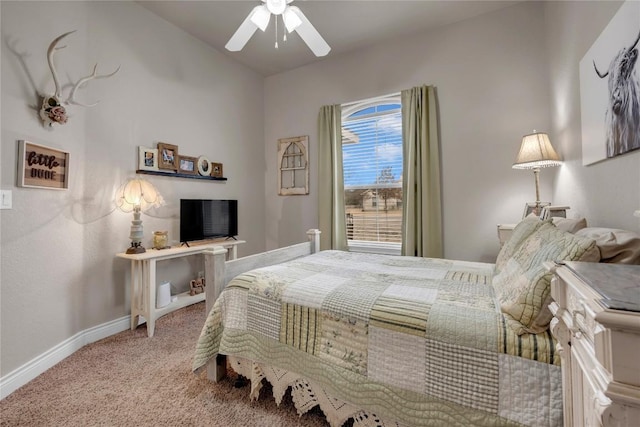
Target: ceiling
<point x="346" y="25"/>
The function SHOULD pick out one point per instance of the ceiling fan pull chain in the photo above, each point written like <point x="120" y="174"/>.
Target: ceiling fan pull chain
<point x="276" y="31"/>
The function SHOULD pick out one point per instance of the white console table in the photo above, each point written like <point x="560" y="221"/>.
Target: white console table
<point x="143" y="280"/>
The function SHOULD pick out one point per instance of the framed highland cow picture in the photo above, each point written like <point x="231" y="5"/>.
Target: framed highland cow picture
<point x="610" y="89"/>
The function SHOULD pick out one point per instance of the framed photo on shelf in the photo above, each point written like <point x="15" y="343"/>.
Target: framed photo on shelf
<point x="188" y="165"/>
<point x="147" y="158"/>
<point x="204" y="166"/>
<point x="42" y="167"/>
<point x="216" y="170"/>
<point x="530" y="207"/>
<point x="167" y="156"/>
<point x="554" y="211"/>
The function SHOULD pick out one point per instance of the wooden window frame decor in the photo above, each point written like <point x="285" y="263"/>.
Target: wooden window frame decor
<point x="204" y="166"/>
<point x="216" y="170"/>
<point x="147" y="158"/>
<point x="40" y="166"/>
<point x="165" y="161"/>
<point x="293" y="166"/>
<point x="188" y="165"/>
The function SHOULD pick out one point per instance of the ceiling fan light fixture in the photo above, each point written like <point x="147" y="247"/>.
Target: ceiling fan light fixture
<point x="291" y="20"/>
<point x="261" y="16"/>
<point x="276" y="6"/>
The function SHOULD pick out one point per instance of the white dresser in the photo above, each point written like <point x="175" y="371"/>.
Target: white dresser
<point x="596" y="321"/>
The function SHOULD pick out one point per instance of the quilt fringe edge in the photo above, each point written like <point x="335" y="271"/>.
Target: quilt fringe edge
<point x="305" y="394"/>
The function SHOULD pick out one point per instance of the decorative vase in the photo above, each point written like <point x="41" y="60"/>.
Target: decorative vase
<point x="160" y="239"/>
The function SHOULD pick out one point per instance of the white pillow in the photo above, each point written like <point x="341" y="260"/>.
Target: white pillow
<point x="569" y="225"/>
<point x="616" y="246"/>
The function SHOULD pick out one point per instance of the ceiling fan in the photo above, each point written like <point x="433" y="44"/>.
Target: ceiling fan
<point x="294" y="20"/>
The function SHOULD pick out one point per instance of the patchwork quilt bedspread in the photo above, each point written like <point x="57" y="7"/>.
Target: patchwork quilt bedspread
<point x="418" y="340"/>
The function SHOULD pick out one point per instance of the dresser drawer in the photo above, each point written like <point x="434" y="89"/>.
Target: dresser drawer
<point x="582" y="309"/>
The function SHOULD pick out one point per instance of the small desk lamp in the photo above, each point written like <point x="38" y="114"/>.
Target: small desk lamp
<point x="536" y="152"/>
<point x="137" y="195"/>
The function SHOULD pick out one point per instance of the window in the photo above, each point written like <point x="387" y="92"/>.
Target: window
<point x="372" y="168"/>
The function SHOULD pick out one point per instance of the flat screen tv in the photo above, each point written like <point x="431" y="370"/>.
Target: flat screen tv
<point x="202" y="219"/>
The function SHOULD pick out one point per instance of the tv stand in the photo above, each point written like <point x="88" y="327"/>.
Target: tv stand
<point x="144" y="282"/>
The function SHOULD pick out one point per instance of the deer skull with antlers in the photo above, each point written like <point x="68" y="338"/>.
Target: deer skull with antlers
<point x="53" y="110"/>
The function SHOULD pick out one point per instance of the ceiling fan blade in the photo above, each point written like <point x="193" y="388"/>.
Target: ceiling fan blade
<point x="244" y="32"/>
<point x="309" y="35"/>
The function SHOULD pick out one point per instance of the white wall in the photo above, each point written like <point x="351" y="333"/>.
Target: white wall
<point x="606" y="193"/>
<point x="492" y="82"/>
<point x="59" y="273"/>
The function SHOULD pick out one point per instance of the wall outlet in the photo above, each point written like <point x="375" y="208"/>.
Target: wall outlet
<point x="6" y="199"/>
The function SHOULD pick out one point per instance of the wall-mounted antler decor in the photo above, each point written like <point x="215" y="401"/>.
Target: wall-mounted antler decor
<point x="53" y="110"/>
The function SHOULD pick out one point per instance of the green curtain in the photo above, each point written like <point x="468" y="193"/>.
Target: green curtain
<point x="422" y="205"/>
<point x="331" y="211"/>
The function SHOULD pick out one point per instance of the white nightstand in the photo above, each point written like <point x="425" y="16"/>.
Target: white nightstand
<point x="504" y="232"/>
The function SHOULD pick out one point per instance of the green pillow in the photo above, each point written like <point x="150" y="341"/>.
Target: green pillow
<point x="523" y="284"/>
<point x="519" y="234"/>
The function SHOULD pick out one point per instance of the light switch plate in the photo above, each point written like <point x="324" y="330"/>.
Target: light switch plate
<point x="5" y="199"/>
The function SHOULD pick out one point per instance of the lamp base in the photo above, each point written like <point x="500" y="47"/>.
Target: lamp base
<point x="136" y="248"/>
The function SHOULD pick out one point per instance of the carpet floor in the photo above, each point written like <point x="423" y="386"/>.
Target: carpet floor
<point x="130" y="379"/>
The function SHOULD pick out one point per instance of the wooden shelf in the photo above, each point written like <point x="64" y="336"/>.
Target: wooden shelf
<point x="183" y="300"/>
<point x="180" y="175"/>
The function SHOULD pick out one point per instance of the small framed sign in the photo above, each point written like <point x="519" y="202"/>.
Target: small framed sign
<point x="42" y="167"/>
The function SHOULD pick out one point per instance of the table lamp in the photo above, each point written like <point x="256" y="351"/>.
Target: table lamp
<point x="137" y="195"/>
<point x="536" y="152"/>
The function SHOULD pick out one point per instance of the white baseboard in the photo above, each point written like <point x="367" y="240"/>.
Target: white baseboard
<point x="36" y="366"/>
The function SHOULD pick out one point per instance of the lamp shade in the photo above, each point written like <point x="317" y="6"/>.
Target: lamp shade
<point x="536" y="152"/>
<point x="138" y="193"/>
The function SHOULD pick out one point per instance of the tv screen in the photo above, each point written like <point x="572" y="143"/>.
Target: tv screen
<point x="202" y="219"/>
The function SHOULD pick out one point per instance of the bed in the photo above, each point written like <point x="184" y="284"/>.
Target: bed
<point x="388" y="340"/>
